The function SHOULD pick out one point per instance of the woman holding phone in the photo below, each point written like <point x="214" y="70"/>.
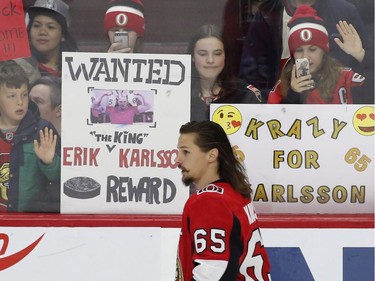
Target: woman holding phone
<point x="124" y="25"/>
<point x="324" y="80"/>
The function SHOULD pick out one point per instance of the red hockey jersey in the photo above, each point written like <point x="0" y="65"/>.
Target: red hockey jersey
<point x="220" y="238"/>
<point x="5" y="149"/>
<point x="341" y="95"/>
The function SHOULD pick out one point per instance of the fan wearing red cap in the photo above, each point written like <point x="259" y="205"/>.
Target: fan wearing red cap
<point x="125" y="16"/>
<point x="327" y="82"/>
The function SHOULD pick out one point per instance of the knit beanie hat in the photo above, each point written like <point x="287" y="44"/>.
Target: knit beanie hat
<point x="306" y="28"/>
<point x="54" y="8"/>
<point x="125" y="14"/>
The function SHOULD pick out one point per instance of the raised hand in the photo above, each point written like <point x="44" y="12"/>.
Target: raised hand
<point x="45" y="150"/>
<point x="351" y="43"/>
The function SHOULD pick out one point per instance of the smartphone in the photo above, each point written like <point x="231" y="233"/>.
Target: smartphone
<point x="302" y="67"/>
<point x="121" y="37"/>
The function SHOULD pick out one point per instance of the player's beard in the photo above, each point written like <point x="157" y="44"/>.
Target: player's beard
<point x="187" y="180"/>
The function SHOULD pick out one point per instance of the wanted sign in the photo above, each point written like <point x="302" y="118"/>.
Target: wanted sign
<point x="121" y="120"/>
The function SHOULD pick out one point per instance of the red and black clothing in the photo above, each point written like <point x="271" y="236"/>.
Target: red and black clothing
<point x="342" y="94"/>
<point x="220" y="238"/>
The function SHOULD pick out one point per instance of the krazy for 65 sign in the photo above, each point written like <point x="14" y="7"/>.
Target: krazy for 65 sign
<point x="298" y="156"/>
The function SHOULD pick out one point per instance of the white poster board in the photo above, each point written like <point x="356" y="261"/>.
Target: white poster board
<point x="304" y="158"/>
<point x="119" y="157"/>
<point x="149" y="253"/>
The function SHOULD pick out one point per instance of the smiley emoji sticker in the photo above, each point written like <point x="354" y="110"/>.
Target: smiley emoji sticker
<point x="363" y="121"/>
<point x="229" y="118"/>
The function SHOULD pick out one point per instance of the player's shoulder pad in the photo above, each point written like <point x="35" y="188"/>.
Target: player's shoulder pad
<point x="211" y="188"/>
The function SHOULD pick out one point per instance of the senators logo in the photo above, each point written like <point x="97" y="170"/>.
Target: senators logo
<point x="211" y="188"/>
<point x="4" y="180"/>
<point x="179" y="275"/>
<point x="6" y="262"/>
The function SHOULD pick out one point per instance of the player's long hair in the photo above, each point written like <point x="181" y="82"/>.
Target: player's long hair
<point x="210" y="135"/>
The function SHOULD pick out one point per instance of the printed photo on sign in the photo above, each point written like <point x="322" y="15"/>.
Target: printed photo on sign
<point x="122" y="106"/>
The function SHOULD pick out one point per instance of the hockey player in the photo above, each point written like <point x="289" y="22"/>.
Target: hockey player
<point x="220" y="236"/>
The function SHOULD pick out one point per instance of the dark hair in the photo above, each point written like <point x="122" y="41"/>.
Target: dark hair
<point x="55" y="85"/>
<point x="226" y="79"/>
<point x="210" y="135"/>
<point x="12" y="75"/>
<point x="68" y="45"/>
